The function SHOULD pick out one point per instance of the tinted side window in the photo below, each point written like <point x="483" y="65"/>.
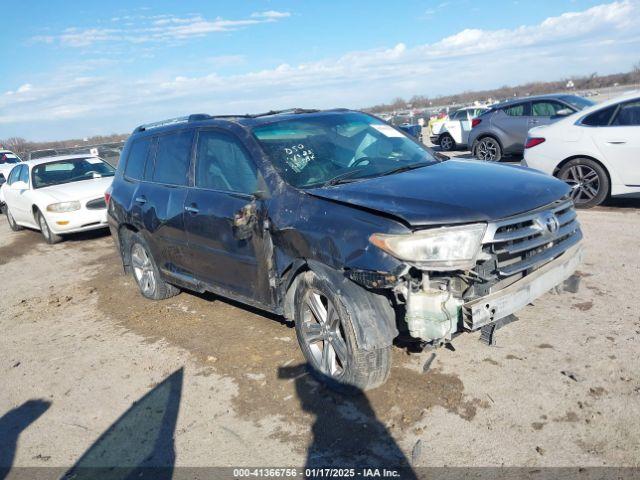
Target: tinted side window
<point x="222" y="164"/>
<point x="515" y="110"/>
<point x="546" y="108"/>
<point x="173" y="155"/>
<point x="628" y="115"/>
<point x="137" y="158"/>
<point x="600" y="118"/>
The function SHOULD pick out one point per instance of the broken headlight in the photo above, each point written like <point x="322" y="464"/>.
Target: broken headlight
<point x="447" y="248"/>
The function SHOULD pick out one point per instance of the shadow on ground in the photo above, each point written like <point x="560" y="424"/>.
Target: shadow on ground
<point x="12" y="424"/>
<point x="140" y="444"/>
<point x="346" y="432"/>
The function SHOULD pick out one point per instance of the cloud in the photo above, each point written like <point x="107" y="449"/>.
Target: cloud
<point x="604" y="35"/>
<point x="271" y="14"/>
<point x="138" y="29"/>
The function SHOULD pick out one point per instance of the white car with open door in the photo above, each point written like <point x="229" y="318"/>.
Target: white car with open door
<point x="454" y="131"/>
<point x="596" y="151"/>
<point x="58" y="195"/>
<point x="8" y="160"/>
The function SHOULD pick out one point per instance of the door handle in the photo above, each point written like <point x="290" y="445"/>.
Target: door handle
<point x="192" y="208"/>
<point x="141" y="200"/>
<point x="616" y="142"/>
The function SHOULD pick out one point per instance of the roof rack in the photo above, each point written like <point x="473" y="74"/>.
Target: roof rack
<point x="197" y="117"/>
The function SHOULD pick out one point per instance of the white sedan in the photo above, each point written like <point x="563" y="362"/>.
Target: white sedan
<point x="596" y="151"/>
<point x="58" y="195"/>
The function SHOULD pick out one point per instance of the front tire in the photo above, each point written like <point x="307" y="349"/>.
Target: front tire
<point x="146" y="273"/>
<point x="588" y="180"/>
<point x="326" y="336"/>
<point x="12" y="221"/>
<point x="50" y="237"/>
<point x="447" y="143"/>
<point x="488" y="149"/>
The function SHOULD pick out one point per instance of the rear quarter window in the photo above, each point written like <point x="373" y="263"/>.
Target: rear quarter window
<point x="137" y="158"/>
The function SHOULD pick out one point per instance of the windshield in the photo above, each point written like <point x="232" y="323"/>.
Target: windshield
<point x="6" y="158"/>
<point x="67" y="171"/>
<point x="335" y="148"/>
<point x="578" y="102"/>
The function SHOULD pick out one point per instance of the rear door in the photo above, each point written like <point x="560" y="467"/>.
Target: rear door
<point x="513" y="122"/>
<point x="225" y="179"/>
<point x="17" y="195"/>
<point x="619" y="142"/>
<point x="161" y="199"/>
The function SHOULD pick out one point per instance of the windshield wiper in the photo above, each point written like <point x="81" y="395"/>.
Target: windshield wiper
<point x="405" y="168"/>
<point x="342" y="177"/>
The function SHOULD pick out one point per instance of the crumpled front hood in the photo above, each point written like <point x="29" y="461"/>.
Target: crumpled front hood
<point x="454" y="191"/>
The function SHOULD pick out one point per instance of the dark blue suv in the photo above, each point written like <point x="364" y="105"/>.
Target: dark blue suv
<point x="341" y="223"/>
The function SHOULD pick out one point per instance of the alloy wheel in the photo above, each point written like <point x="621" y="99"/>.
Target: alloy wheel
<point x="446" y="143"/>
<point x="584" y="182"/>
<point x="321" y="332"/>
<point x="143" y="269"/>
<point x="487" y="150"/>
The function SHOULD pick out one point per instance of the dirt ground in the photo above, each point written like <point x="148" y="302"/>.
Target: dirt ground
<point x="92" y="372"/>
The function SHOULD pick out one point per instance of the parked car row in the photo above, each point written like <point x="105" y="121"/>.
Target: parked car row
<point x="594" y="148"/>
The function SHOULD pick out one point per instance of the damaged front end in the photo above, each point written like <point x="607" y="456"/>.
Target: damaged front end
<point x="470" y="276"/>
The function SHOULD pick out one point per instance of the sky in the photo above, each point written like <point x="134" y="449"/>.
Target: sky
<point x="80" y="68"/>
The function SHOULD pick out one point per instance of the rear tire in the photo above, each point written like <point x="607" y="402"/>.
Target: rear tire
<point x="447" y="143"/>
<point x="146" y="273"/>
<point x="589" y="182"/>
<point x="488" y="149"/>
<point x="12" y="222"/>
<point x="326" y="336"/>
<point x="50" y="237"/>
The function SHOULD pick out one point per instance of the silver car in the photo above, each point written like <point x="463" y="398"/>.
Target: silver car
<point x="503" y="129"/>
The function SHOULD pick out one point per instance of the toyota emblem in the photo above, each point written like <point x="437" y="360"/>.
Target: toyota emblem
<point x="549" y="223"/>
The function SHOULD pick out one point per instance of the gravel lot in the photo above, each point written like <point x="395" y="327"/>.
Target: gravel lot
<point x="84" y="361"/>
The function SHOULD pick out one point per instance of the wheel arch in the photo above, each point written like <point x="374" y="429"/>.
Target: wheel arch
<point x="373" y="317"/>
<point x="125" y="232"/>
<point x="558" y="167"/>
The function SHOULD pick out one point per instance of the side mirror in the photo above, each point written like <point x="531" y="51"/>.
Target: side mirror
<point x="564" y="112"/>
<point x="2" y="180"/>
<point x="19" y="185"/>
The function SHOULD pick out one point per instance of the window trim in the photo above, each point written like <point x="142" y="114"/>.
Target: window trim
<point x="243" y="147"/>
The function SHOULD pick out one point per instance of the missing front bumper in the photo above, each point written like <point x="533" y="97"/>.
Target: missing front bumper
<point x="495" y="306"/>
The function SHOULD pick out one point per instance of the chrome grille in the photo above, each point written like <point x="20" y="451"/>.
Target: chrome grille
<point x="527" y="241"/>
<point x="97" y="204"/>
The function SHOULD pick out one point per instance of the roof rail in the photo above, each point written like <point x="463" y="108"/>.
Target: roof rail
<point x="196" y="117"/>
<point x="161" y="123"/>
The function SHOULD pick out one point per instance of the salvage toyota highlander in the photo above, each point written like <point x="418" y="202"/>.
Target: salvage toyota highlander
<point x="341" y="223"/>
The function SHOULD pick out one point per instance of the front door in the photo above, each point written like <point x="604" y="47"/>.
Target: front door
<point x="17" y="197"/>
<point x="619" y="142"/>
<point x="222" y="253"/>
